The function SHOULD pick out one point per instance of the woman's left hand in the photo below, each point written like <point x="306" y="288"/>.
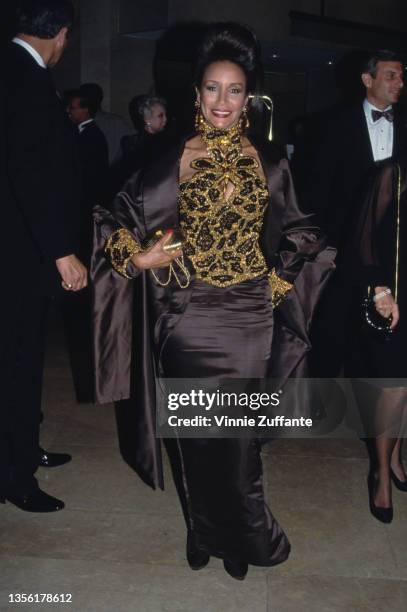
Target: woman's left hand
<point x="386" y="307"/>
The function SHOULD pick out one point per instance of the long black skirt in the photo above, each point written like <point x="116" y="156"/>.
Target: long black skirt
<point x="224" y="332"/>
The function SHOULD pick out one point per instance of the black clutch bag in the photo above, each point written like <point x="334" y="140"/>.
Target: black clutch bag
<point x="375" y="325"/>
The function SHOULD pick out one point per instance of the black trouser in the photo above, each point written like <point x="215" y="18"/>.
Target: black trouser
<point x="76" y="312"/>
<point x="22" y="362"/>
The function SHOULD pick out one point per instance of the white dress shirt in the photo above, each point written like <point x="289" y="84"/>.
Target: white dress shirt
<point x="380" y="132"/>
<point x="33" y="52"/>
<point x="82" y="125"/>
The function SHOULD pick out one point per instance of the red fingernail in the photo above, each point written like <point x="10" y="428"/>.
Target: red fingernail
<point x="170" y="232"/>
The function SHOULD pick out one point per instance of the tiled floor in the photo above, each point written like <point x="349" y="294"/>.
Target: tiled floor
<point x="120" y="546"/>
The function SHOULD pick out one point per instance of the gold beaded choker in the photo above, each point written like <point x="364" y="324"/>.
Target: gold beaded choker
<point x="224" y="146"/>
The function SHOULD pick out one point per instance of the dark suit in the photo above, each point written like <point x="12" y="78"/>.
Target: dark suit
<point x="336" y="176"/>
<point x="76" y="307"/>
<point x="339" y="167"/>
<point x="95" y="164"/>
<point x="41" y="195"/>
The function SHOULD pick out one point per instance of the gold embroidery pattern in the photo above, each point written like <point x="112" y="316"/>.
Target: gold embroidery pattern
<point x="120" y="248"/>
<point x="279" y="287"/>
<point x="222" y="234"/>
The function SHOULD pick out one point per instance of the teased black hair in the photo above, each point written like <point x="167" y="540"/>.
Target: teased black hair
<point x="231" y="42"/>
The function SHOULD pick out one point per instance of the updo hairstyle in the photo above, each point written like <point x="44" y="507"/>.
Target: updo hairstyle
<point x="230" y="42"/>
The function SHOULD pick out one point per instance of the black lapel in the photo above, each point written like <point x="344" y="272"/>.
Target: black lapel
<point x="362" y="146"/>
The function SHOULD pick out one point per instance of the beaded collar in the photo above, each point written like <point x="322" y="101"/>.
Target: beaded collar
<point x="224" y="146"/>
<point x="226" y="162"/>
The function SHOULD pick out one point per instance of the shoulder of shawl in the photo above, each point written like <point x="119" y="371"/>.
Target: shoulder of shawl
<point x="160" y="170"/>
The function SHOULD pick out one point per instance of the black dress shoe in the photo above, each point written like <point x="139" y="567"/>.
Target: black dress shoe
<point x="38" y="501"/>
<point x="48" y="459"/>
<point x="401" y="485"/>
<point x="197" y="558"/>
<point x="384" y="515"/>
<point x="236" y="569"/>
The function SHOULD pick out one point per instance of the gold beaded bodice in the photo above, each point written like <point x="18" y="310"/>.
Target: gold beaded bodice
<point x="222" y="233"/>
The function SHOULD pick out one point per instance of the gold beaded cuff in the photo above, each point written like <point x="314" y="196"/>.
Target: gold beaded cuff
<point x="279" y="288"/>
<point x="120" y="248"/>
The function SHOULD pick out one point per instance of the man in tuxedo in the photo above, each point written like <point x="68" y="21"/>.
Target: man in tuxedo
<point x="76" y="307"/>
<point x="41" y="194"/>
<point x="356" y="139"/>
<point x="93" y="149"/>
<point x="114" y="127"/>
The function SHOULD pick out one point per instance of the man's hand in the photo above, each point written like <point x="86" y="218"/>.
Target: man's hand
<point x="73" y="273"/>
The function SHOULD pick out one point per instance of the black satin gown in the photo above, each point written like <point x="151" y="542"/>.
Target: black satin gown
<point x="221" y="325"/>
<point x="224" y="332"/>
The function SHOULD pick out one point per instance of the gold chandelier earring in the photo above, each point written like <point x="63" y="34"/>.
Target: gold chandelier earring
<point x="244" y="119"/>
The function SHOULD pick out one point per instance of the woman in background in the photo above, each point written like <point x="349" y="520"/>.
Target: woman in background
<point x="381" y="244"/>
<point x="149" y="117"/>
<point x="152" y="139"/>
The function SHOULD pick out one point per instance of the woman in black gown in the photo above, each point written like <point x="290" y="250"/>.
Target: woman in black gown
<point x="153" y="137"/>
<point x="153" y="134"/>
<point x="207" y="310"/>
<point x="381" y="242"/>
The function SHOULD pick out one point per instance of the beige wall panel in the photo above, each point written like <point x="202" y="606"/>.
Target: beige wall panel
<point x="132" y="71"/>
<point x="96" y="32"/>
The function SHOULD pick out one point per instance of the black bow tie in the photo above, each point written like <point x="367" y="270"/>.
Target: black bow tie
<point x="387" y="114"/>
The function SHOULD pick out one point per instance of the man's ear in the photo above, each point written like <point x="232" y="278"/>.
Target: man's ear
<point x="62" y="36"/>
<point x="367" y="80"/>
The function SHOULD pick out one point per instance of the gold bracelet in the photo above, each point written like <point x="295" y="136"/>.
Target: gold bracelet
<point x="120" y="248"/>
<point x="279" y="287"/>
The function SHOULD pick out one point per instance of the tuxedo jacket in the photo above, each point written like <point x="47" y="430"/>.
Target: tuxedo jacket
<point x="95" y="164"/>
<point x="43" y="166"/>
<point x="340" y="169"/>
<point x="126" y="312"/>
<point x="14" y="228"/>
